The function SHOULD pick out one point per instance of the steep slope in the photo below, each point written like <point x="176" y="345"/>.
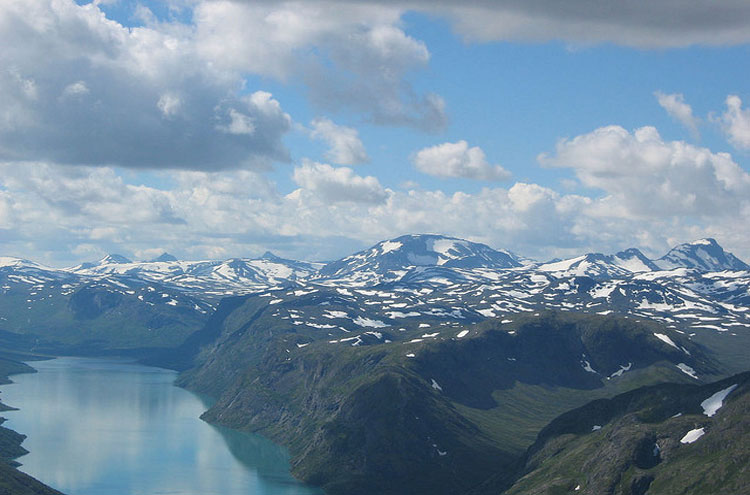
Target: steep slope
<point x="420" y="410"/>
<point x="666" y="439"/>
<point x="703" y="254"/>
<point x="389" y="260"/>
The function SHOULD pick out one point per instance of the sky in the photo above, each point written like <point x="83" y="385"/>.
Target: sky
<point x="212" y="129"/>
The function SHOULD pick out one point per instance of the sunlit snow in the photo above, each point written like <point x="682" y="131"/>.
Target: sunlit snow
<point x="692" y="435"/>
<point x="713" y="403"/>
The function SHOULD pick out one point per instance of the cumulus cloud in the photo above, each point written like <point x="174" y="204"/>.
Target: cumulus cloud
<point x="83" y="89"/>
<point x="676" y="107"/>
<point x="458" y="160"/>
<point x="645" y="176"/>
<point x="345" y="147"/>
<point x="338" y="184"/>
<point x="736" y="123"/>
<point x="350" y="56"/>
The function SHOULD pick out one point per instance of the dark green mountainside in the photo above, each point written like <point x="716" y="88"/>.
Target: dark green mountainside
<point x="408" y="411"/>
<point x="96" y="318"/>
<point x="638" y="443"/>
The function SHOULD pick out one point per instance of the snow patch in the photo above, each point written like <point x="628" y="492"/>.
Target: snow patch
<point x="687" y="370"/>
<point x="389" y="246"/>
<point x="462" y="334"/>
<point x="714" y="403"/>
<point x="367" y="322"/>
<point x="587" y="366"/>
<point x="331" y="314"/>
<point x="692" y="435"/>
<point x="622" y="370"/>
<point x="665" y="339"/>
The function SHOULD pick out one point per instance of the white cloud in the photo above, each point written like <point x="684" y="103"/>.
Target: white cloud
<point x="645" y="176"/>
<point x="83" y="89"/>
<point x="63" y="215"/>
<point x="338" y="184"/>
<point x="239" y="123"/>
<point x="458" y="160"/>
<point x="676" y="107"/>
<point x="169" y="104"/>
<point x="736" y="123"/>
<point x="350" y="56"/>
<point x="77" y="88"/>
<point x="345" y="147"/>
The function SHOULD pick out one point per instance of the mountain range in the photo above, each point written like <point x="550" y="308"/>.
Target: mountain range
<point x="426" y="363"/>
<point x="696" y="287"/>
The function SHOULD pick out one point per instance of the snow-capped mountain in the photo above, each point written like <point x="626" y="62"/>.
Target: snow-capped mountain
<point x="425" y="279"/>
<point x="391" y="260"/>
<point x="703" y="254"/>
<point x="597" y="265"/>
<point x="18" y="270"/>
<point x="208" y="279"/>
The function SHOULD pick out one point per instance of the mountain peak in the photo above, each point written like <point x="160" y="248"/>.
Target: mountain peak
<point x="598" y="265"/>
<point x="164" y="257"/>
<point x="16" y="262"/>
<point x="268" y="255"/>
<point x="702" y="254"/>
<point x="114" y="259"/>
<point x="390" y="259"/>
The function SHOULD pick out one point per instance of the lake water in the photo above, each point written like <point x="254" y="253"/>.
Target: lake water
<point x="112" y="427"/>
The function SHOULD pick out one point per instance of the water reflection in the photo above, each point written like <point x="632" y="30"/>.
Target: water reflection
<point x="108" y="427"/>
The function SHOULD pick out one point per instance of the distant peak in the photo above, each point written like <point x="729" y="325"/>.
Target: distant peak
<point x="115" y="258"/>
<point x="630" y="252"/>
<point x="703" y="254"/>
<point x="268" y="255"/>
<point x="164" y="258"/>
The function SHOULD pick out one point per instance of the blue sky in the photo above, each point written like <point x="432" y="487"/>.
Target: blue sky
<point x="214" y="129"/>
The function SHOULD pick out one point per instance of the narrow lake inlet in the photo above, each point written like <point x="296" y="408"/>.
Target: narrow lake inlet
<point x="113" y="427"/>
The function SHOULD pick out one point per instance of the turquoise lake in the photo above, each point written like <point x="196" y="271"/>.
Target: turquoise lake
<point x="113" y="427"/>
